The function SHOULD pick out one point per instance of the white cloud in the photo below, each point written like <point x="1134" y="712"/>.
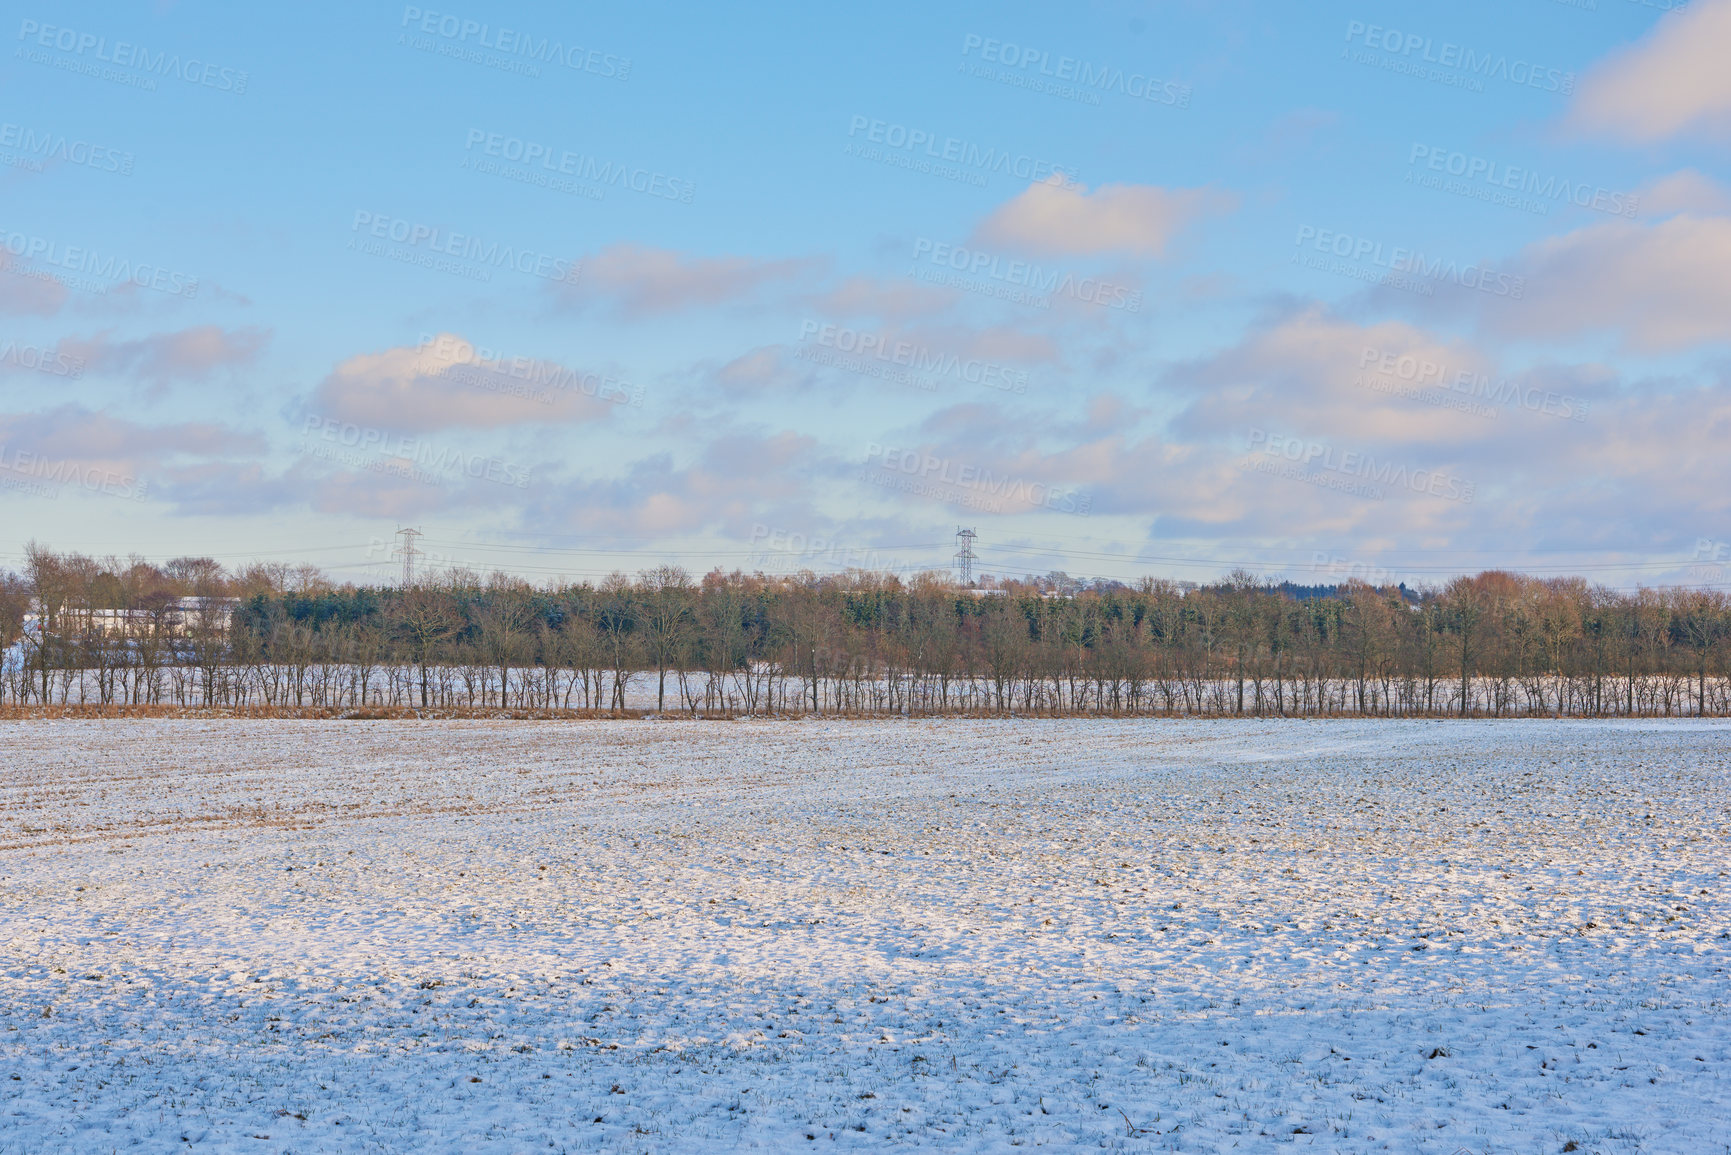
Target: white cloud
<point x="1060" y="217"/>
<point x="447" y="382"/>
<point x="192" y="354"/>
<point x="735" y="481"/>
<point x="1663" y="287"/>
<point x="1685" y="191"/>
<point x="638" y="281"/>
<point x="1673" y="82"/>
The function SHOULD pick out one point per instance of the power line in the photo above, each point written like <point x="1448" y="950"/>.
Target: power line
<point x="826" y="559"/>
<point x="649" y="552"/>
<point x="1217" y="562"/>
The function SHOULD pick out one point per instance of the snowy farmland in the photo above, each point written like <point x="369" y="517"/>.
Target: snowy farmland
<point x="968" y="935"/>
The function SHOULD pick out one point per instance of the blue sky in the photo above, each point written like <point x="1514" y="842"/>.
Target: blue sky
<point x="1332" y="290"/>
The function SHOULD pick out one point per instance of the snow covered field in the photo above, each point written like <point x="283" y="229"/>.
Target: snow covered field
<point x="1154" y="935"/>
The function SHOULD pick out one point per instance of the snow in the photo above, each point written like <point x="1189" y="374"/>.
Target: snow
<point x="971" y="935"/>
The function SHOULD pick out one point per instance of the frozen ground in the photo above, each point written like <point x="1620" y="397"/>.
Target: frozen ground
<point x="1156" y="935"/>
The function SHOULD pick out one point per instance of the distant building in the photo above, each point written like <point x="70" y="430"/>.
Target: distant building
<point x="175" y="618"/>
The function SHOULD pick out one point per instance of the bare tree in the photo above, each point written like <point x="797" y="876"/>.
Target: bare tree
<point x="617" y="616"/>
<point x="424" y="618"/>
<point x="505" y="623"/>
<point x="664" y="610"/>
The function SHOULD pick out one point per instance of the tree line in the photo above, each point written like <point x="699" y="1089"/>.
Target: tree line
<point x="1496" y="644"/>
